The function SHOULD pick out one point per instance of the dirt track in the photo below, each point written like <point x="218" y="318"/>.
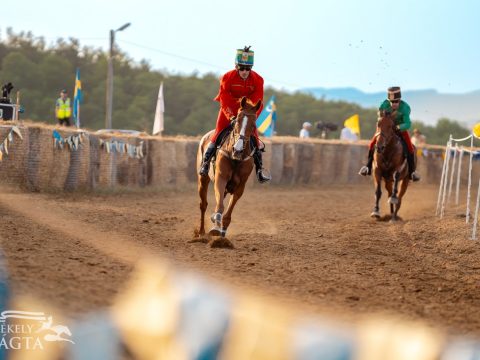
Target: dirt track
<point x="314" y="247"/>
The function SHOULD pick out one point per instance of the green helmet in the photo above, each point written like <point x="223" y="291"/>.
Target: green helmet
<point x="244" y="56"/>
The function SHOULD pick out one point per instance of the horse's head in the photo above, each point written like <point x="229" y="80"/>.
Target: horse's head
<point x="386" y="129"/>
<point x="244" y="126"/>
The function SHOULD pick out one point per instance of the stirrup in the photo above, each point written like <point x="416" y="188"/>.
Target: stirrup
<point x="365" y="170"/>
<point x="263" y="178"/>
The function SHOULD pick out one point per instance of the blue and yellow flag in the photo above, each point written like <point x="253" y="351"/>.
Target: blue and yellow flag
<point x="77" y="98"/>
<point x="266" y="121"/>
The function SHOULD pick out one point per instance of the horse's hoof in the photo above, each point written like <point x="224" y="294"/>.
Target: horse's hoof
<point x="198" y="233"/>
<point x="215" y="232"/>
<point x="375" y="214"/>
<point x="393" y="200"/>
<point x="221" y="242"/>
<point x="393" y="221"/>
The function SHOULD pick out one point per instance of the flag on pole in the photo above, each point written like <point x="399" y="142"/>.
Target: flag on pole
<point x="353" y="123"/>
<point x="476" y="130"/>
<point x="77" y="99"/>
<point x="158" y="122"/>
<point x="266" y="121"/>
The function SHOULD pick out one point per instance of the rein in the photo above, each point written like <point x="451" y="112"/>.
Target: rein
<point x="236" y="137"/>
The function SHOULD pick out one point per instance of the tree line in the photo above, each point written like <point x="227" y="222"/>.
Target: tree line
<point x="40" y="72"/>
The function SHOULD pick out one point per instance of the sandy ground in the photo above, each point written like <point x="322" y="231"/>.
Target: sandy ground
<point x="314" y="248"/>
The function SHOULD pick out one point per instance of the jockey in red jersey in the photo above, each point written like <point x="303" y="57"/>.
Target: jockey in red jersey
<point x="235" y="84"/>
<point x="402" y="120"/>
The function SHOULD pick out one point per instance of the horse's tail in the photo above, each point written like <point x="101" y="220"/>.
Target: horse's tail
<point x="201" y="147"/>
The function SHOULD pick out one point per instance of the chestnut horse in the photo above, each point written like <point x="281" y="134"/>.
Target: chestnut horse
<point x="389" y="164"/>
<point x="233" y="166"/>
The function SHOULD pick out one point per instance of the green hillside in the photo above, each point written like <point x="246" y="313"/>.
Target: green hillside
<point x="40" y="72"/>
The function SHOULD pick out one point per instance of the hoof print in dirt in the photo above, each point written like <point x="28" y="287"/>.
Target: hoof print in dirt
<point x="222" y="243"/>
<point x="198" y="239"/>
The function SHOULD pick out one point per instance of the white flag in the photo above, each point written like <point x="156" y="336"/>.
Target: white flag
<point x="158" y="123"/>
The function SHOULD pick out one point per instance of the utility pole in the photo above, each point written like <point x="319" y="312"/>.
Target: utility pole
<point x="109" y="95"/>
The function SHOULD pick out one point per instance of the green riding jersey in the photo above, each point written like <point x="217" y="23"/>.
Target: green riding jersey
<point x="403" y="114"/>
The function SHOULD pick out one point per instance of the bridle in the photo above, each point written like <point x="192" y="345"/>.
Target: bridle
<point x="239" y="139"/>
<point x="387" y="138"/>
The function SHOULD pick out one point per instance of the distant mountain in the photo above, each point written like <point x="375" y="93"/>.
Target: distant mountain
<point x="427" y="105"/>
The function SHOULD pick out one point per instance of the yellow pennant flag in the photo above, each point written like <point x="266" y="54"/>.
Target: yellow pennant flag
<point x="353" y="123"/>
<point x="476" y="129"/>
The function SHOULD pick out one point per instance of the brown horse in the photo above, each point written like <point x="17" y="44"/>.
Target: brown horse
<point x="390" y="164"/>
<point x="233" y="166"/>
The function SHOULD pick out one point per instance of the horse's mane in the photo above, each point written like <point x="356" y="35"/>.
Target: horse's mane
<point x="247" y="102"/>
<point x="386" y="113"/>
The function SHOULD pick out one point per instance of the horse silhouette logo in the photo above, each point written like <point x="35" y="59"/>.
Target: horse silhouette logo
<point x="58" y="331"/>
<point x="55" y="331"/>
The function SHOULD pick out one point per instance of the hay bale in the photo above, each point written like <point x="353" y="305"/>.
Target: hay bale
<point x="12" y="167"/>
<point x="289" y="159"/>
<point x="304" y="165"/>
<point x="276" y="160"/>
<point x="94" y="162"/>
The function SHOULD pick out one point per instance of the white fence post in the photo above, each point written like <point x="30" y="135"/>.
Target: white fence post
<point x="467" y="214"/>
<point x="475" y="219"/>
<point x="459" y="171"/>
<point x="455" y="149"/>
<point x="445" y="183"/>
<point x="442" y="180"/>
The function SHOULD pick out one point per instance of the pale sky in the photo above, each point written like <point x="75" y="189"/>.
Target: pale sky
<point x="369" y="44"/>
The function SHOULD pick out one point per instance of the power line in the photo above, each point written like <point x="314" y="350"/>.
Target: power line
<point x="198" y="61"/>
<point x="174" y="55"/>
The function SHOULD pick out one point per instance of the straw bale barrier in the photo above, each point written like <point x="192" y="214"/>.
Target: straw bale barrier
<point x="36" y="164"/>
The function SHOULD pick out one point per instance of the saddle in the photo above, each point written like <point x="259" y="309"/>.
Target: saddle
<point x="223" y="136"/>
<point x="402" y="141"/>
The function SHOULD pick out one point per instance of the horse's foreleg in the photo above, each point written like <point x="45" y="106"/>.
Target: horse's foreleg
<point x="389" y="187"/>
<point x="227" y="217"/>
<point x="216" y="218"/>
<point x="203" y="182"/>
<point x="378" y="194"/>
<point x="393" y="200"/>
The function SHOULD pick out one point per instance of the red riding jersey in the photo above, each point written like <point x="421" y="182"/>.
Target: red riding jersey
<point x="232" y="89"/>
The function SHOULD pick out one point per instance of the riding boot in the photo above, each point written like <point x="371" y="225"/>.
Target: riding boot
<point x="207" y="156"/>
<point x="257" y="158"/>
<point x="411" y="167"/>
<point x="367" y="169"/>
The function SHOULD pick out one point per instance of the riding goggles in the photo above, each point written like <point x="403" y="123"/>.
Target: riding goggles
<point x="244" y="68"/>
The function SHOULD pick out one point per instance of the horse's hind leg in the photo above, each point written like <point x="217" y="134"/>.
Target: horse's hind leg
<point x="203" y="182"/>
<point x="403" y="190"/>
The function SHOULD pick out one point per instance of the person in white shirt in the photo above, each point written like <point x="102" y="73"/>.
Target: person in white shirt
<point x="305" y="132"/>
<point x="348" y="135"/>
